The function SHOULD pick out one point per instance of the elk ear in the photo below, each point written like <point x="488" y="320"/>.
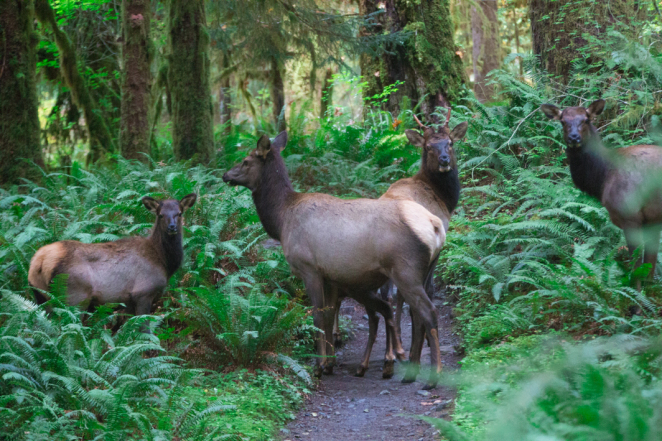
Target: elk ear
<point x="280" y="141"/>
<point x="551" y="111"/>
<point x="596" y="108"/>
<point x="263" y="146"/>
<point x="151" y="204"/>
<point x="459" y="131"/>
<point x="415" y="138"/>
<point x="188" y="201"/>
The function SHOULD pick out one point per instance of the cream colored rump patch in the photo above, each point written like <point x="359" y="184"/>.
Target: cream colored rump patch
<point x="426" y="226"/>
<point x="44" y="262"/>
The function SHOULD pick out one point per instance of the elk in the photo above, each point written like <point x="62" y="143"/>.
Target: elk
<point x="345" y="247"/>
<point x="133" y="270"/>
<point x="626" y="181"/>
<point x="436" y="187"/>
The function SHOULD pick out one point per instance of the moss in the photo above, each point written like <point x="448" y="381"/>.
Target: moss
<point x="19" y="124"/>
<point x="558" y="29"/>
<point x="427" y="63"/>
<point x="137" y="53"/>
<point x="188" y="80"/>
<point x="99" y="135"/>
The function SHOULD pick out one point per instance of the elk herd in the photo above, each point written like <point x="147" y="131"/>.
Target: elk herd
<point x="359" y="248"/>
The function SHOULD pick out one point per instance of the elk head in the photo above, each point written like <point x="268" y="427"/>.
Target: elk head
<point x="169" y="212"/>
<point x="576" y="121"/>
<point x="438" y="153"/>
<point x="248" y="172"/>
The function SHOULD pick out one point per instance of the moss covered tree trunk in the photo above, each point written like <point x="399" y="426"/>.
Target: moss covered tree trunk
<point x="278" y="95"/>
<point x="136" y="79"/>
<point x="99" y="135"/>
<point x="486" y="47"/>
<point x="327" y="93"/>
<point x="188" y="79"/>
<point x="19" y="120"/>
<point x="427" y="63"/>
<point x="557" y="28"/>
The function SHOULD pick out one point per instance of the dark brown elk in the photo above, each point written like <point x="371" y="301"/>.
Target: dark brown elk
<point x="133" y="271"/>
<point x="627" y="181"/>
<point x="345" y="247"/>
<point x="436" y="187"/>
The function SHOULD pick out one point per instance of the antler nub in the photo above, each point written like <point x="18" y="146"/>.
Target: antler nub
<point x="448" y="118"/>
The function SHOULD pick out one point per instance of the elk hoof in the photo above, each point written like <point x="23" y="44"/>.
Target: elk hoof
<point x="430" y="386"/>
<point x="360" y="372"/>
<point x="401" y="356"/>
<point x="388" y="370"/>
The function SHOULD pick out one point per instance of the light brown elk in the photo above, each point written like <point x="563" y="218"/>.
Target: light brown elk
<point x="436" y="187"/>
<point x="133" y="271"/>
<point x="627" y="181"/>
<point x="345" y="247"/>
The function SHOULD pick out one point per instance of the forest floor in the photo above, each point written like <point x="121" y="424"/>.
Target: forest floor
<point x="345" y="407"/>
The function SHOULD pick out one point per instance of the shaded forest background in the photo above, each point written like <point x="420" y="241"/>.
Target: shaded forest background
<point x="105" y="101"/>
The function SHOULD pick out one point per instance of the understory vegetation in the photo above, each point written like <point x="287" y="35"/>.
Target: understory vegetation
<point x="559" y="342"/>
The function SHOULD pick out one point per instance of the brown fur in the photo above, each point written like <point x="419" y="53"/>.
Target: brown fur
<point x="134" y="270"/>
<point x="628" y="181"/>
<point x="436" y="187"/>
<point x="344" y="247"/>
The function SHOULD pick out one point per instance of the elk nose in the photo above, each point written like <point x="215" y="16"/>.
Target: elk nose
<point x="225" y="177"/>
<point x="444" y="160"/>
<point x="575" y="137"/>
<point x="172" y="228"/>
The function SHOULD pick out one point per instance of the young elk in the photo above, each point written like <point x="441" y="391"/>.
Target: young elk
<point x="627" y="181"/>
<point x="133" y="271"/>
<point x="345" y="247"/>
<point x="436" y="187"/>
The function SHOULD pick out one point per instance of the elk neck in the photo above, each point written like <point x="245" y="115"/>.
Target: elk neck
<point x="168" y="247"/>
<point x="272" y="194"/>
<point x="446" y="185"/>
<point x="589" y="165"/>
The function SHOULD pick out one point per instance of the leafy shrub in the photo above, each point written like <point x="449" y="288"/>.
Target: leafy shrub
<point x="64" y="380"/>
<point x="247" y="329"/>
<point x="607" y="389"/>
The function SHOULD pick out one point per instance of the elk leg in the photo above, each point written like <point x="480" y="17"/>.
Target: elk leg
<point x="634" y="240"/>
<point x="373" y="325"/>
<point x="426" y="313"/>
<point x="315" y="290"/>
<point x="329" y="315"/>
<point x="652" y="247"/>
<point x="143" y="306"/>
<point x="417" y="333"/>
<point x="337" y="340"/>
<point x="400" y="301"/>
<point x="374" y="304"/>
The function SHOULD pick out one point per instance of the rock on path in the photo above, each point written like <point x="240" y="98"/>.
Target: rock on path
<point x="347" y="408"/>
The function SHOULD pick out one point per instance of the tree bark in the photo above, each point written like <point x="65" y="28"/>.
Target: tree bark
<point x="225" y="98"/>
<point x="327" y="93"/>
<point x="277" y="95"/>
<point x="136" y="79"/>
<point x="486" y="47"/>
<point x="188" y="80"/>
<point x="99" y="135"/>
<point x="19" y="120"/>
<point x="557" y="28"/>
<point x="427" y="63"/>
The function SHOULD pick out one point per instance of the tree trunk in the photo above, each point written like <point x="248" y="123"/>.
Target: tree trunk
<point x="99" y="135"/>
<point x="136" y="79"/>
<point x="277" y="95"/>
<point x="327" y="93"/>
<point x="225" y="98"/>
<point x="188" y="79"/>
<point x="557" y="28"/>
<point x="427" y="63"/>
<point x="19" y="120"/>
<point x="486" y="47"/>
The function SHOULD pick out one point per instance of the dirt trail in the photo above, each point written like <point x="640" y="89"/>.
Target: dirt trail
<point x="347" y="408"/>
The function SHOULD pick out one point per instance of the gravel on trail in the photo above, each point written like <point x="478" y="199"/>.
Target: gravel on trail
<point x="349" y="408"/>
